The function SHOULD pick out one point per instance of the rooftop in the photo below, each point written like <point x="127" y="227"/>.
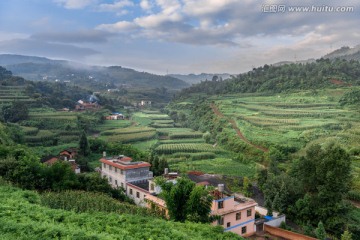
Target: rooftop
<point x="123" y="162"/>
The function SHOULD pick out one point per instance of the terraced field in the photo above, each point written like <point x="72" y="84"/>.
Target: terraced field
<point x="10" y="94"/>
<point x="294" y="119"/>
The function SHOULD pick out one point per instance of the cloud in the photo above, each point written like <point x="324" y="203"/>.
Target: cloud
<point x="226" y="22"/>
<point x="116" y="6"/>
<point x="40" y="48"/>
<point x="121" y="26"/>
<point x="75" y="4"/>
<point x="146" y="5"/>
<point x="82" y="36"/>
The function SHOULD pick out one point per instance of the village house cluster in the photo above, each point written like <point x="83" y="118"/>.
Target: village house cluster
<point x="237" y="213"/>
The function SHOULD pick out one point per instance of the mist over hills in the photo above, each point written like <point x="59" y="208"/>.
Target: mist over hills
<point x="346" y="53"/>
<point x="196" y="78"/>
<point x="40" y="68"/>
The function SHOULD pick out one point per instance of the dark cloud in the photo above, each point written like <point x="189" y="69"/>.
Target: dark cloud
<point x="85" y="36"/>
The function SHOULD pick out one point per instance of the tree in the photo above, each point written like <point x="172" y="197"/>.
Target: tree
<point x="246" y="187"/>
<point x="320" y="231"/>
<point x="199" y="205"/>
<point x="346" y="235"/>
<point x="185" y="201"/>
<point x="15" y="112"/>
<point x="268" y="205"/>
<point x="84" y="147"/>
<point x="324" y="175"/>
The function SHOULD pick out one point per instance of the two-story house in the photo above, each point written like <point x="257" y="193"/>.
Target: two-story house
<point x="237" y="213"/>
<point x="121" y="171"/>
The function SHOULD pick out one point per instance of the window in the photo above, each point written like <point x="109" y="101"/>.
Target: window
<point x="104" y="166"/>
<point x="238" y="216"/>
<point x="220" y="204"/>
<point x="121" y="172"/>
<point x="152" y="187"/>
<point x="115" y="169"/>
<point x="248" y="212"/>
<point x="228" y="224"/>
<point x="110" y="179"/>
<point x="116" y="182"/>
<point x="131" y="191"/>
<point x="110" y="168"/>
<point x="122" y="185"/>
<point x="221" y="221"/>
<point x="243" y="230"/>
<point x="137" y="194"/>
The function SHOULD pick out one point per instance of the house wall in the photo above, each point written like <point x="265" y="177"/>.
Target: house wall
<point x="244" y="225"/>
<point x="137" y="194"/>
<point x="115" y="176"/>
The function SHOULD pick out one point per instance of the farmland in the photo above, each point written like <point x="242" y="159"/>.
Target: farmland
<point x="292" y="119"/>
<point x="10" y="94"/>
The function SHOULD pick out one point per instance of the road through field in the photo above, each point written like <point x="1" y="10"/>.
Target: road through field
<point x="235" y="127"/>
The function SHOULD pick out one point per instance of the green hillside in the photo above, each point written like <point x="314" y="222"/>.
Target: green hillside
<point x="103" y="78"/>
<point x="22" y="216"/>
<point x="324" y="73"/>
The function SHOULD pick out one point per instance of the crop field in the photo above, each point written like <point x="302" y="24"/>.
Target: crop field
<point x="10" y="94"/>
<point x="113" y="124"/>
<point x="130" y="134"/>
<point x="185" y="147"/>
<point x="291" y="119"/>
<point x="219" y="165"/>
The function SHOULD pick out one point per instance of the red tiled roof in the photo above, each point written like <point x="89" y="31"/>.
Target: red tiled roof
<point x="125" y="167"/>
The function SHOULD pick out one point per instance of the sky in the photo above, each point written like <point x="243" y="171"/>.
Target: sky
<point x="178" y="36"/>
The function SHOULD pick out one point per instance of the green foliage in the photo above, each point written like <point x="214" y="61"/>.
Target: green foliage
<point x="350" y="98"/>
<point x="84" y="147"/>
<point x="15" y="112"/>
<point x="83" y="201"/>
<point x="346" y="235"/>
<point x="20" y="219"/>
<point x="315" y="189"/>
<point x="320" y="231"/>
<point x="186" y="201"/>
<point x="314" y="75"/>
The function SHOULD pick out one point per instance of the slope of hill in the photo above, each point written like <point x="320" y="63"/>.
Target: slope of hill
<point x="22" y="216"/>
<point x="36" y="68"/>
<point x="196" y="78"/>
<point x="346" y="53"/>
<point x="289" y="77"/>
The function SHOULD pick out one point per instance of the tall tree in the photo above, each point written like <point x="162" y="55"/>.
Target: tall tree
<point x="320" y="231"/>
<point x="84" y="146"/>
<point x="324" y="175"/>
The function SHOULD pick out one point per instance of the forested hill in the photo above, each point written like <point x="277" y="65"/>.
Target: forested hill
<point x="290" y="77"/>
<point x="36" y="68"/>
<point x="40" y="93"/>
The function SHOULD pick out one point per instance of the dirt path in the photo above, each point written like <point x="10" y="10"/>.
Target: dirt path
<point x="235" y="127"/>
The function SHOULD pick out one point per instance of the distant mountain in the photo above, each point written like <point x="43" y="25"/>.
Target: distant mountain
<point x="346" y="53"/>
<point x="196" y="78"/>
<point x="39" y="68"/>
<point x="9" y="59"/>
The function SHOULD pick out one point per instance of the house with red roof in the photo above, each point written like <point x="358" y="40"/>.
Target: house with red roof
<point x="133" y="176"/>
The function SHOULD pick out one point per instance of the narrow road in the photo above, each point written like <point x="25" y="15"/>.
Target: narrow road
<point x="235" y="127"/>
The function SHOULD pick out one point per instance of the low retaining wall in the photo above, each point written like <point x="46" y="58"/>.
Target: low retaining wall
<point x="286" y="234"/>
